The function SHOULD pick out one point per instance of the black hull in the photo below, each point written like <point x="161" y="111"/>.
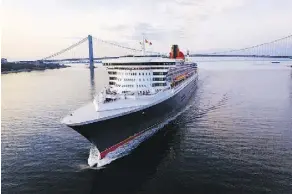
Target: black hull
<point x="108" y="133"/>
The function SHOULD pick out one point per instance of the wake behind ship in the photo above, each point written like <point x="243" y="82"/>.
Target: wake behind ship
<point x="143" y="92"/>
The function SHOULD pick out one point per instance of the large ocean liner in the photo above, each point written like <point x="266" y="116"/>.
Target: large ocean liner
<point x="143" y="92"/>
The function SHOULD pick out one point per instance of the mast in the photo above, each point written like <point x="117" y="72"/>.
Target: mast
<point x="143" y="45"/>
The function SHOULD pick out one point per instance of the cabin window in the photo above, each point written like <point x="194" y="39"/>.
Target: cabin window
<point x="158" y="84"/>
<point x="159" y="73"/>
<point x="159" y="79"/>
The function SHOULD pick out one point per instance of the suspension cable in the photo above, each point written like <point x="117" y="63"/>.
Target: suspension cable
<point x="66" y="49"/>
<point x="251" y="47"/>
<point x="117" y="45"/>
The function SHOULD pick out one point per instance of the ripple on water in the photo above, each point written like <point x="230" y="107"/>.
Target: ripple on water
<point x="235" y="137"/>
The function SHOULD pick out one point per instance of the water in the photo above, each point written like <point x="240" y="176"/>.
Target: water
<point x="236" y="137"/>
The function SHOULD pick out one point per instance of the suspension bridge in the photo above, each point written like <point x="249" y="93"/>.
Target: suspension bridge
<point x="95" y="50"/>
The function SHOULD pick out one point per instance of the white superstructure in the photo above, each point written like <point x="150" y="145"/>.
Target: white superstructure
<point x="139" y="75"/>
<point x="135" y="83"/>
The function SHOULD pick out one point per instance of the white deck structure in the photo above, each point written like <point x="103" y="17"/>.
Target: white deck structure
<point x="135" y="84"/>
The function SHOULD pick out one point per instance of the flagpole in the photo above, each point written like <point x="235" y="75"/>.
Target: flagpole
<point x="143" y="45"/>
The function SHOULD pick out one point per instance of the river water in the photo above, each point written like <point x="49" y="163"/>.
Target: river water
<point x="236" y="137"/>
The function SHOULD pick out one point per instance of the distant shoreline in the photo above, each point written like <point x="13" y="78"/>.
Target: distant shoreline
<point x="13" y="67"/>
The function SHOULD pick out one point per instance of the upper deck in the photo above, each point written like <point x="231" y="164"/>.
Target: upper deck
<point x="141" y="60"/>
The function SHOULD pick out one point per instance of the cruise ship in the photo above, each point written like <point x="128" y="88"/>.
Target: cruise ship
<point x="143" y="92"/>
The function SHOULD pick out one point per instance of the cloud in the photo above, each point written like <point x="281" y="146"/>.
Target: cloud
<point x="193" y="24"/>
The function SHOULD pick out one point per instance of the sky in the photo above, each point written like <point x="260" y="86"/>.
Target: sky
<point x="33" y="29"/>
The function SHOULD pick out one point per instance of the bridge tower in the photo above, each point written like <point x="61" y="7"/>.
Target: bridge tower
<point x="90" y="49"/>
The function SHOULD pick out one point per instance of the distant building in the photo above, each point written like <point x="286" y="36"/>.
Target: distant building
<point x="3" y="60"/>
